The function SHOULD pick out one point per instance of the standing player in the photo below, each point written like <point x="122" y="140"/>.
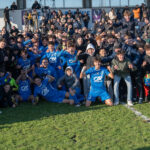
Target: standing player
<point x="98" y="89"/>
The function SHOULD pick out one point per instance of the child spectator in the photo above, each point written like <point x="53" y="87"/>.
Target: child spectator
<point x="71" y="84"/>
<point x="146" y="67"/>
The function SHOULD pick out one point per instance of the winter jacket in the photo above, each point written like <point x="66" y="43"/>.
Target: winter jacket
<point x="131" y="54"/>
<point x="69" y="81"/>
<point x="123" y="69"/>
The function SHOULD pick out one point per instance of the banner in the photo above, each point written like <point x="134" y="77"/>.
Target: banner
<point x="96" y="15"/>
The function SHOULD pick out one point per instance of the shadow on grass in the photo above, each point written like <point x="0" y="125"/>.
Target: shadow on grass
<point x="27" y="112"/>
<point x="143" y="148"/>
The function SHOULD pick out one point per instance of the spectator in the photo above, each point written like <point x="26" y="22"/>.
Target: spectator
<point x="6" y="18"/>
<point x="36" y="5"/>
<point x="13" y="6"/>
<point x="26" y="20"/>
<point x="112" y="14"/>
<point x="35" y="19"/>
<point x="136" y="12"/>
<point x="86" y="19"/>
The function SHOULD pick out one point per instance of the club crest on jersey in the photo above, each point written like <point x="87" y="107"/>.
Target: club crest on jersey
<point x="24" y="88"/>
<point x="98" y="79"/>
<point x="45" y="91"/>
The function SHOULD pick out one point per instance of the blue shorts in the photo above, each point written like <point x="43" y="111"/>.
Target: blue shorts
<point x="25" y="97"/>
<point x="94" y="94"/>
<point x="59" y="97"/>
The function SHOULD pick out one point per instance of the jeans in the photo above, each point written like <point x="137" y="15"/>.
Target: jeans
<point x="116" y="87"/>
<point x="108" y="84"/>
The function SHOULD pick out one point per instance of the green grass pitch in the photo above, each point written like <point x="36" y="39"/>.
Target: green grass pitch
<point x="50" y="126"/>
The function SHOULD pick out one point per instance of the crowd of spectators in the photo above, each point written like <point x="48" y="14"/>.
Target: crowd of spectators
<point x="61" y="59"/>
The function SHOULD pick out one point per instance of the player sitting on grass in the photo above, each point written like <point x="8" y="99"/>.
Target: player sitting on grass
<point x="98" y="89"/>
<point x="48" y="92"/>
<point x="71" y="83"/>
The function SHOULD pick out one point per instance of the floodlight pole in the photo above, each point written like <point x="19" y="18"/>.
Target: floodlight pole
<point x="110" y="3"/>
<point x="44" y="2"/>
<point x="63" y="3"/>
<point x="101" y="3"/>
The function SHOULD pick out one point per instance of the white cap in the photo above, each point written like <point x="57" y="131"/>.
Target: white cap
<point x="69" y="67"/>
<point x="90" y="46"/>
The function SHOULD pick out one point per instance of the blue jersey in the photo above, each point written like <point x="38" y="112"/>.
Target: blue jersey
<point x="37" y="70"/>
<point x="2" y="79"/>
<point x="25" y="64"/>
<point x="71" y="60"/>
<point x="43" y="72"/>
<point x="48" y="92"/>
<point x="97" y="78"/>
<point x="33" y="56"/>
<point x="53" y="58"/>
<point x="43" y="49"/>
<point x="24" y="89"/>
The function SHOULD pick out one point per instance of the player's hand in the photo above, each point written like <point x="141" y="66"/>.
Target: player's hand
<point x="116" y="67"/>
<point x="72" y="92"/>
<point x="82" y="61"/>
<point x="130" y="66"/>
<point x="59" y="67"/>
<point x="84" y="68"/>
<point x="33" y="67"/>
<point x="59" y="86"/>
<point x="13" y="58"/>
<point x="5" y="58"/>
<point x="109" y="68"/>
<point x="22" y="72"/>
<point x="79" y="51"/>
<point x="30" y="49"/>
<point x="33" y="40"/>
<point x="18" y="66"/>
<point x="51" y="78"/>
<point x="144" y="63"/>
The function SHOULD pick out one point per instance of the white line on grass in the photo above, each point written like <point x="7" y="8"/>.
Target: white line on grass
<point x="137" y="113"/>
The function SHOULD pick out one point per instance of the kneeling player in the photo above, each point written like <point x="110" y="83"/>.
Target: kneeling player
<point x="46" y="90"/>
<point x="98" y="89"/>
<point x="24" y="82"/>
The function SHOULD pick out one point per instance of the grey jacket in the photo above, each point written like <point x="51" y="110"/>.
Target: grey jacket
<point x="69" y="81"/>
